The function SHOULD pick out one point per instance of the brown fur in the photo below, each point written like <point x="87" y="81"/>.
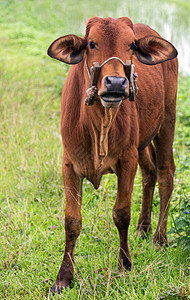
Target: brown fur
<point x="129" y="131"/>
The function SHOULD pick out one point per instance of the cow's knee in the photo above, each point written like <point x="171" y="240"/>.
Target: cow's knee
<point x="73" y="227"/>
<point x="121" y="218"/>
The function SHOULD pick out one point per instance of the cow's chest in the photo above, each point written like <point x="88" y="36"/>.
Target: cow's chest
<point x="95" y="155"/>
<point x="93" y="166"/>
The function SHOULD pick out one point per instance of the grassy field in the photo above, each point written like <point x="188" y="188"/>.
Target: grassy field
<point x="32" y="194"/>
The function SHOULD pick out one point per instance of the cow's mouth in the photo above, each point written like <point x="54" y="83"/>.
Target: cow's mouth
<point x="112" y="99"/>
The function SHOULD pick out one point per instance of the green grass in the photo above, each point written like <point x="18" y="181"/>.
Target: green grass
<point x="32" y="194"/>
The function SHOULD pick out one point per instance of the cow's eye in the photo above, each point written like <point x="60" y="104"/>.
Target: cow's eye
<point x="133" y="47"/>
<point x="92" y="45"/>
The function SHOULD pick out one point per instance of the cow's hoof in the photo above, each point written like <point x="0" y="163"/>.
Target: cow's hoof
<point x="55" y="290"/>
<point x="160" y="241"/>
<point x="144" y="231"/>
<point x="58" y="286"/>
<point x="124" y="264"/>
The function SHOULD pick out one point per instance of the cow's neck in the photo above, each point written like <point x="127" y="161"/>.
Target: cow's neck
<point x="101" y="120"/>
<point x="106" y="123"/>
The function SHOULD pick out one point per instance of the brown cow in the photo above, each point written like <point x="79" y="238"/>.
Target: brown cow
<point x="110" y="135"/>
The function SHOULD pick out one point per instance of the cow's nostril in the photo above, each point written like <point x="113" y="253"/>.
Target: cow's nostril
<point x="107" y="80"/>
<point x="124" y="82"/>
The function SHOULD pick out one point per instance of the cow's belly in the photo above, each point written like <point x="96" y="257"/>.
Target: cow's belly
<point x="148" y="130"/>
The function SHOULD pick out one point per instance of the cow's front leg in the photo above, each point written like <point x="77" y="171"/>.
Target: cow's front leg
<point x="122" y="208"/>
<point x="147" y="164"/>
<point x="73" y="225"/>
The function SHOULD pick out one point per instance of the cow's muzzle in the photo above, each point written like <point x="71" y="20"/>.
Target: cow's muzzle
<point x="115" y="87"/>
<point x="115" y="91"/>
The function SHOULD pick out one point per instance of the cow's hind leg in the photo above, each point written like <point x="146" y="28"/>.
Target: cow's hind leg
<point x="165" y="174"/>
<point x="73" y="225"/>
<point x="122" y="208"/>
<point x="147" y="162"/>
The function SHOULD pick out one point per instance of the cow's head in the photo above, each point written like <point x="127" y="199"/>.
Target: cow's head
<point x="108" y="38"/>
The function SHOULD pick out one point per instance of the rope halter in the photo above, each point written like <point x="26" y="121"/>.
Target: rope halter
<point x="92" y="91"/>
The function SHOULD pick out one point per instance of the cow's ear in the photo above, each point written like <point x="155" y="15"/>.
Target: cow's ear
<point x="152" y="50"/>
<point x="68" y="49"/>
